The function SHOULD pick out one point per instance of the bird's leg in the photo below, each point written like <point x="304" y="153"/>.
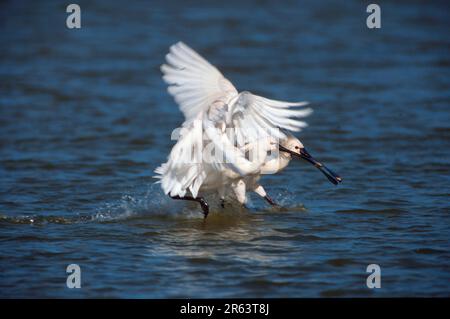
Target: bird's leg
<point x="261" y="192"/>
<point x="199" y="200"/>
<point x="270" y="200"/>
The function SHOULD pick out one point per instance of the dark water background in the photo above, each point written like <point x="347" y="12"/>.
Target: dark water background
<point x="85" y="118"/>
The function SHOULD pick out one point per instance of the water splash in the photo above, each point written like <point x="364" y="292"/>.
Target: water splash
<point x="151" y="202"/>
<point x="136" y="204"/>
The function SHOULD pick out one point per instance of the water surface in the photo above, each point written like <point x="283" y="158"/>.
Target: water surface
<point x="85" y="118"/>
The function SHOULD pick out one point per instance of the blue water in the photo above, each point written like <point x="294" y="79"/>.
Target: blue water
<point x="85" y="118"/>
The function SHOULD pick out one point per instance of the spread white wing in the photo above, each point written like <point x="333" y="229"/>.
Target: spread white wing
<point x="215" y="113"/>
<point x="253" y="117"/>
<point x="183" y="169"/>
<point x="193" y="82"/>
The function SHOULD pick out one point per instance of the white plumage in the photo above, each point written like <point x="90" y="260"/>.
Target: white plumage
<point x="232" y="124"/>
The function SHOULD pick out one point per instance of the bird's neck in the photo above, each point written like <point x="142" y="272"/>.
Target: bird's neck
<point x="276" y="164"/>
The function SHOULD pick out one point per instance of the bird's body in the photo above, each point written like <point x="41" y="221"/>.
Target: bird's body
<point x="228" y="139"/>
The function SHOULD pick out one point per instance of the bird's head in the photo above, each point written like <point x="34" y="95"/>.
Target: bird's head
<point x="291" y="147"/>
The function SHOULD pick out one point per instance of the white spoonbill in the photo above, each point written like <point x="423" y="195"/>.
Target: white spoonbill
<point x="228" y="139"/>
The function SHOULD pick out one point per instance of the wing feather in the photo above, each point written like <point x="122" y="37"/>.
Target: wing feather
<point x="184" y="164"/>
<point x="266" y="116"/>
<point x="194" y="83"/>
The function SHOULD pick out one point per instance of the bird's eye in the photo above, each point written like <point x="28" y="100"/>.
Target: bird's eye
<point x="297" y="147"/>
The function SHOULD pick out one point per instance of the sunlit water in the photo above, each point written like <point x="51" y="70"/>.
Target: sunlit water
<point x="85" y="118"/>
